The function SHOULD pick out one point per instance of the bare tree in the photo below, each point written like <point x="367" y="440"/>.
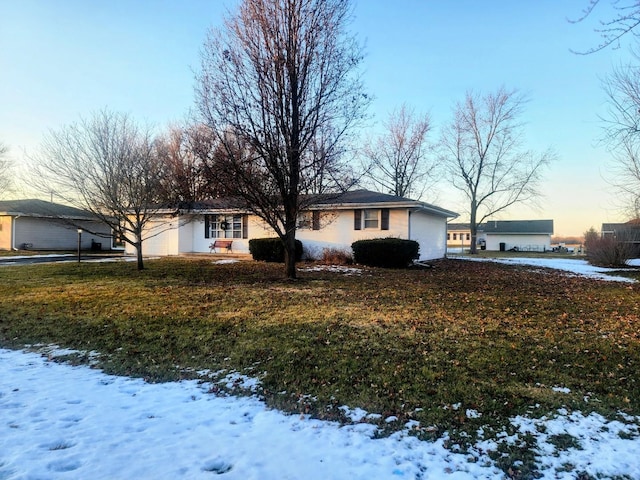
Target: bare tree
<point x="624" y="175"/>
<point x="279" y="86"/>
<point x="397" y="159"/>
<point x="622" y="134"/>
<point x="108" y="166"/>
<point x="187" y="154"/>
<point x="483" y="155"/>
<point x="624" y="21"/>
<point x="6" y="179"/>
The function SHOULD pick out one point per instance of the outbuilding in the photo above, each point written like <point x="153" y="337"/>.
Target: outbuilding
<point x="516" y="235"/>
<point x="40" y="225"/>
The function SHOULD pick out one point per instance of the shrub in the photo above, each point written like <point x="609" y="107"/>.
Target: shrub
<point x="608" y="251"/>
<point x="336" y="256"/>
<point x="271" y="249"/>
<point x="385" y="252"/>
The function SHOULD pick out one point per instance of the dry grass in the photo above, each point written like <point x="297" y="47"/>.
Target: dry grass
<point x="410" y="343"/>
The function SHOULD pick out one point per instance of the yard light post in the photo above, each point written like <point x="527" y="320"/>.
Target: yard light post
<point x="79" y="242"/>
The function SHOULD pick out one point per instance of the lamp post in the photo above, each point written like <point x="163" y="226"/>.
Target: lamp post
<point x="79" y="242"/>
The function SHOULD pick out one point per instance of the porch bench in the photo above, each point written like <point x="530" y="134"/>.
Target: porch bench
<point x="220" y="244"/>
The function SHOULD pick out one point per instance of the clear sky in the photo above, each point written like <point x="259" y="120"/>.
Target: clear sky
<point x="63" y="59"/>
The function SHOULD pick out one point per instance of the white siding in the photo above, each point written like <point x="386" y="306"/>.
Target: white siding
<point x="51" y="234"/>
<point x="337" y="231"/>
<point x="161" y="237"/>
<point x="430" y="232"/>
<point x="524" y="242"/>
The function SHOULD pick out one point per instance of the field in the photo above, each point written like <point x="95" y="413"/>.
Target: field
<point x="457" y="347"/>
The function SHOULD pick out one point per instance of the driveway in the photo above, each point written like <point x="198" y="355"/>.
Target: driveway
<point x="59" y="257"/>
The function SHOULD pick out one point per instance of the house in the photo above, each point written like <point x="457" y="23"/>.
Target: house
<point x="458" y="235"/>
<point x="331" y="221"/>
<point x="628" y="233"/>
<point x="518" y="235"/>
<point x="40" y="225"/>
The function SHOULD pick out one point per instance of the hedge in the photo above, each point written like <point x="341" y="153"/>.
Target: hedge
<point x="271" y="249"/>
<point x="385" y="252"/>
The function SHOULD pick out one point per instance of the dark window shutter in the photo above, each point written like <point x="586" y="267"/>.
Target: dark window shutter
<point x="357" y="219"/>
<point x="206" y="226"/>
<point x="384" y="219"/>
<point x="315" y="219"/>
<point x="245" y="226"/>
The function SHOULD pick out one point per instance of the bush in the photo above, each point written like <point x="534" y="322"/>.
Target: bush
<point x="336" y="256"/>
<point x="271" y="249"/>
<point x="385" y="252"/>
<point x="608" y="251"/>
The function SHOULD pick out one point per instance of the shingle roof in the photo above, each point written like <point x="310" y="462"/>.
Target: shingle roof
<point x="612" y="227"/>
<point x="41" y="208"/>
<point x="458" y="226"/>
<point x="364" y="198"/>
<point x="517" y="227"/>
<point x="350" y="199"/>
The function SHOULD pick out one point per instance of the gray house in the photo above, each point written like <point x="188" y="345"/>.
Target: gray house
<point x="40" y="225"/>
<point x="519" y="235"/>
<point x="628" y="233"/>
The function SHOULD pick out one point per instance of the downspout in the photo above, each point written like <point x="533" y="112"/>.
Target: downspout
<point x="13" y="232"/>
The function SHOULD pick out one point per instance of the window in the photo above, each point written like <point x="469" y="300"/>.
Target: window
<point x="448" y="236"/>
<point x="468" y="236"/>
<point x="225" y="226"/>
<point x="371" y="218"/>
<point x="304" y="220"/>
<point x="309" y="220"/>
<point x="455" y="236"/>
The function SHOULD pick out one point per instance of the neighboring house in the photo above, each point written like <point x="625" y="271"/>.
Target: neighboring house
<point x="40" y="225"/>
<point x="628" y="232"/>
<point x="458" y="235"/>
<point x="519" y="235"/>
<point x="334" y="221"/>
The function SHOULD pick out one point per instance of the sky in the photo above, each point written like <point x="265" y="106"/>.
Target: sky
<point x="63" y="60"/>
<point x="103" y="427"/>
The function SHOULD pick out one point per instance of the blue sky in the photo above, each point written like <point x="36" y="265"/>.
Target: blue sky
<point x="63" y="59"/>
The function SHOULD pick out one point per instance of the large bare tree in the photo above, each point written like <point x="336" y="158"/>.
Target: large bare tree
<point x="622" y="134"/>
<point x="397" y="160"/>
<point x="108" y="165"/>
<point x="187" y="154"/>
<point x="483" y="154"/>
<point x="280" y="88"/>
<point x="6" y="178"/>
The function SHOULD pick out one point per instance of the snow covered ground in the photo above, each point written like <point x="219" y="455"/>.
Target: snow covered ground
<point x="570" y="265"/>
<point x="63" y="422"/>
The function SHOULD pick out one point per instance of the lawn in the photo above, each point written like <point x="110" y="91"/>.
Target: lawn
<point x="457" y="347"/>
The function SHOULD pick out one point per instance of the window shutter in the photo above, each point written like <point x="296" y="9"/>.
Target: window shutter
<point x="206" y="226"/>
<point x="357" y="219"/>
<point x="245" y="226"/>
<point x="315" y="220"/>
<point x="384" y="219"/>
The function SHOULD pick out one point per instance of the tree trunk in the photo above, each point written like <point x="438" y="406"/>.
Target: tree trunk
<point x="290" y="254"/>
<point x="139" y="255"/>
<point x="473" y="248"/>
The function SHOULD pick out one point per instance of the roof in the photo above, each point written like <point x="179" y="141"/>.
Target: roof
<point x="612" y="227"/>
<point x="454" y="227"/>
<point x="518" y="227"/>
<point x="340" y="201"/>
<point x="41" y="208"/>
<point x="367" y="199"/>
